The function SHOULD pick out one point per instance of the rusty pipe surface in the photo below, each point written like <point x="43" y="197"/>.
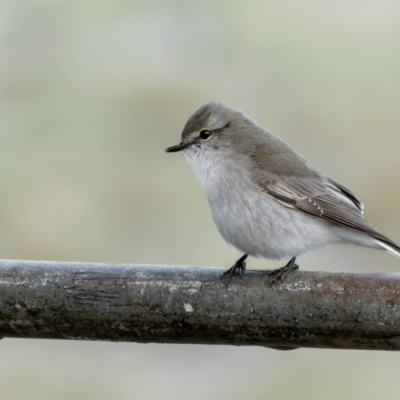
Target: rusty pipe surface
<point x="173" y="304"/>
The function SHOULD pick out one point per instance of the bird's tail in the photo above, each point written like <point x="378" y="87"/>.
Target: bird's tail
<point x="390" y="247"/>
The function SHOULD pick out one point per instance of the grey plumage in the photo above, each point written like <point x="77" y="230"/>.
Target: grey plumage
<point x="267" y="199"/>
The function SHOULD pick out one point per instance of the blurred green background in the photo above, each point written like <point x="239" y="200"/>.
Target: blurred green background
<point x="91" y="94"/>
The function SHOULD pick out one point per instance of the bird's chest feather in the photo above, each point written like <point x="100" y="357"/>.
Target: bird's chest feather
<point x="240" y="210"/>
<point x="251" y="220"/>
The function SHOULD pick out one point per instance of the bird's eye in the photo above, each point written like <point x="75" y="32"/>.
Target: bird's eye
<point x="205" y="134"/>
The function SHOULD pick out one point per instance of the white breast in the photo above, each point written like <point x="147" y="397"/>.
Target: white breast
<point x="249" y="219"/>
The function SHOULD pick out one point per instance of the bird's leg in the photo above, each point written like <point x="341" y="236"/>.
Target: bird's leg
<point x="280" y="273"/>
<point x="238" y="268"/>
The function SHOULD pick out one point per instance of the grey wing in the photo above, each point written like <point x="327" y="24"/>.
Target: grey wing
<point x="350" y="195"/>
<point x="322" y="198"/>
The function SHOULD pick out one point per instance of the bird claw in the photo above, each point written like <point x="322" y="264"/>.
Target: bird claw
<point x="237" y="269"/>
<point x="279" y="274"/>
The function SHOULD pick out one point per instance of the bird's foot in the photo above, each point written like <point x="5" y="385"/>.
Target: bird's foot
<point x="237" y="269"/>
<point x="280" y="273"/>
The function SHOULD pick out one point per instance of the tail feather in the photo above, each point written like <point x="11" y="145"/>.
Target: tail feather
<point x="391" y="248"/>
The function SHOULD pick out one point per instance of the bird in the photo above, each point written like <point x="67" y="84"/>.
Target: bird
<point x="267" y="200"/>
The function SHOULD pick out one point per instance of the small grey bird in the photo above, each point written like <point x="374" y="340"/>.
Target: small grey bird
<point x="266" y="199"/>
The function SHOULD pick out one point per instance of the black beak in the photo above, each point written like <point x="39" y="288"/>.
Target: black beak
<point x="178" y="147"/>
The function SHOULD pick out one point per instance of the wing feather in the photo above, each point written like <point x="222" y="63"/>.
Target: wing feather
<point x="322" y="198"/>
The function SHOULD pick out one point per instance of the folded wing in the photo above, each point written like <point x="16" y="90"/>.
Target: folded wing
<point x="322" y="198"/>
